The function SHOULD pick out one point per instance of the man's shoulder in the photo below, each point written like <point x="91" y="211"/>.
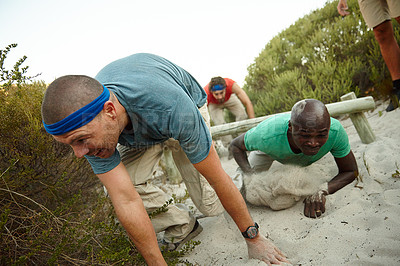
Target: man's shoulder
<point x="278" y="119"/>
<point x="229" y="82"/>
<point x="272" y="127"/>
<point x="338" y="141"/>
<point x="336" y="127"/>
<point x="207" y="89"/>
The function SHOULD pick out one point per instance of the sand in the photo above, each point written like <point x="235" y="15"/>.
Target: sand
<point x="361" y="225"/>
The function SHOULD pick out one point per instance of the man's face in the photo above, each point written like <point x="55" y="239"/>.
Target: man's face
<point x="309" y="140"/>
<point x="98" y="138"/>
<point x="219" y="95"/>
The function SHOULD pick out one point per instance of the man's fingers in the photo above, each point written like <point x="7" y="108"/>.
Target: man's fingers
<point x="320" y="205"/>
<point x="267" y="262"/>
<point x="306" y="208"/>
<point x="283" y="259"/>
<point x="322" y="208"/>
<point x="277" y="250"/>
<point x="277" y="259"/>
<point x="318" y="208"/>
<point x="342" y="9"/>
<point x="309" y="209"/>
<point x="343" y="13"/>
<point x="313" y="207"/>
<point x="271" y="260"/>
<point x="323" y="204"/>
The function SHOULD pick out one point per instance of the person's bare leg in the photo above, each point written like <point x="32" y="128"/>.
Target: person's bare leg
<point x="391" y="54"/>
<point x="398" y="19"/>
<point x="389" y="48"/>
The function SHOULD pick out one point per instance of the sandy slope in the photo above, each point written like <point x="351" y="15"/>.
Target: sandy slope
<point x="360" y="227"/>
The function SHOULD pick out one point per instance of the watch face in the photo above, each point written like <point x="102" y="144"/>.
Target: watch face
<point x="252" y="232"/>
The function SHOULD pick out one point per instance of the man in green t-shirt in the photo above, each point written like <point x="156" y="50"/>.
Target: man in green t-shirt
<point x="300" y="138"/>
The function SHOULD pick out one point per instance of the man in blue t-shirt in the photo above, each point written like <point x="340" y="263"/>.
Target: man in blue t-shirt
<point x="300" y="138"/>
<point x="121" y="121"/>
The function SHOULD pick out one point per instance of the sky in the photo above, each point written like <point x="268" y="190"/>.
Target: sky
<point x="207" y="38"/>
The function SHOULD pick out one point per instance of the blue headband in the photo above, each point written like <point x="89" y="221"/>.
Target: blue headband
<point x="217" y="88"/>
<point x="80" y="117"/>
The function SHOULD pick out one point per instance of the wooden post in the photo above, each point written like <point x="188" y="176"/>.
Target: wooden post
<point x="352" y="106"/>
<point x="360" y="122"/>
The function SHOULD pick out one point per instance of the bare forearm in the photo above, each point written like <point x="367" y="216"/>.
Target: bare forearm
<point x="348" y="171"/>
<point x="226" y="190"/>
<point x="136" y="222"/>
<point x="239" y="153"/>
<point x="234" y="203"/>
<point x="131" y="213"/>
<point x="341" y="180"/>
<point x="241" y="159"/>
<point x="250" y="110"/>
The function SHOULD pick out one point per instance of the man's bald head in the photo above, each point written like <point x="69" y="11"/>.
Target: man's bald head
<point x="310" y="113"/>
<point x="68" y="94"/>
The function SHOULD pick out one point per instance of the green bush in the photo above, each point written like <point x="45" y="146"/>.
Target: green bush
<point x="321" y="56"/>
<point x="51" y="209"/>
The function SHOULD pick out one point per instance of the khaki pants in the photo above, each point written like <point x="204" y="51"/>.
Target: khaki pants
<point x="178" y="221"/>
<point x="260" y="161"/>
<point x="375" y="12"/>
<point x="235" y="106"/>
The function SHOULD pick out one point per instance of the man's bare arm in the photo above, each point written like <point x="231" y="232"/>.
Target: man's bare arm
<point x="239" y="153"/>
<point x="131" y="213"/>
<point x="244" y="98"/>
<point x="314" y="205"/>
<point x="348" y="171"/>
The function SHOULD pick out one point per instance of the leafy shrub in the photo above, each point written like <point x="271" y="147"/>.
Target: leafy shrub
<point x="321" y="56"/>
<point x="15" y="75"/>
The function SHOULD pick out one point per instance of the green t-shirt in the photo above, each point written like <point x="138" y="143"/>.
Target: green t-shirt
<point x="270" y="137"/>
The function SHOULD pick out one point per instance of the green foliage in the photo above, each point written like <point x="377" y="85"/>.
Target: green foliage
<point x="15" y="75"/>
<point x="53" y="209"/>
<point x="162" y="209"/>
<point x="321" y="56"/>
<point x="46" y="218"/>
<point x="182" y="199"/>
<point x="174" y="257"/>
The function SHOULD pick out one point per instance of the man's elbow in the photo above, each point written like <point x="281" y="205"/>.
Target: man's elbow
<point x="351" y="176"/>
<point x="235" y="146"/>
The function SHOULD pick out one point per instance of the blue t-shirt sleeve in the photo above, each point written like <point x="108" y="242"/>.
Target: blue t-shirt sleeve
<point x="189" y="128"/>
<point x="101" y="166"/>
<point x="341" y="147"/>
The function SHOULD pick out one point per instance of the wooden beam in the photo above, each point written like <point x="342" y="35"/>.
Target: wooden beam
<point x="360" y="122"/>
<point x="335" y="109"/>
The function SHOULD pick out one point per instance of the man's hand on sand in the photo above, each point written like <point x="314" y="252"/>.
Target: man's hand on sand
<point x="314" y="205"/>
<point x="262" y="249"/>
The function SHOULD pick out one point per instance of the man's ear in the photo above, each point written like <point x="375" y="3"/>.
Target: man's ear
<point x="109" y="109"/>
<point x="290" y="127"/>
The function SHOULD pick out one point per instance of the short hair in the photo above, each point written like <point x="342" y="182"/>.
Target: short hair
<point x="216" y="81"/>
<point x="68" y="94"/>
<point x="309" y="113"/>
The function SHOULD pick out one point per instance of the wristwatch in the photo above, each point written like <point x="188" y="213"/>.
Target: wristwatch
<point x="251" y="231"/>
